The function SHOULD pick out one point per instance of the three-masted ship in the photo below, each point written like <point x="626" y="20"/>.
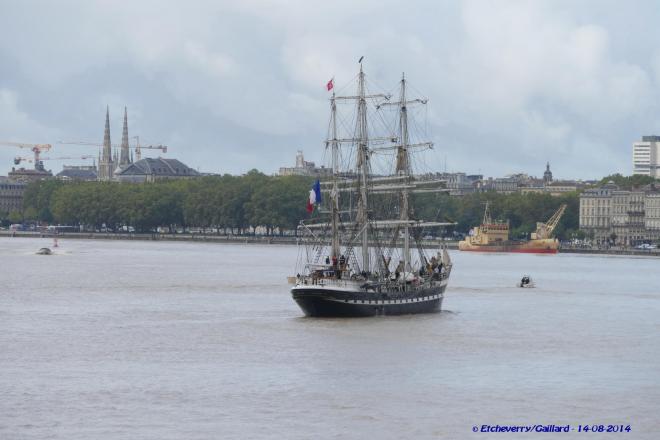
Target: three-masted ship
<point x="363" y="254"/>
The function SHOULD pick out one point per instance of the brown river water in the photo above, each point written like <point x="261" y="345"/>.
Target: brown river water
<point x="158" y="340"/>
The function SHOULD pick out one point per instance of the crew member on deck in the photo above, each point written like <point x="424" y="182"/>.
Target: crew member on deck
<point x="399" y="269"/>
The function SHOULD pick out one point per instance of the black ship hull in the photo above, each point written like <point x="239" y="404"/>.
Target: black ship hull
<point x="318" y="301"/>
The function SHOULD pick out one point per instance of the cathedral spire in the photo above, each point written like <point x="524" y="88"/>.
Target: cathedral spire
<point x="105" y="162"/>
<point x="124" y="158"/>
<point x="106" y="135"/>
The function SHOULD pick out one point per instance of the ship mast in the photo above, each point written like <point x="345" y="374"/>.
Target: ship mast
<point x="334" y="194"/>
<point x="362" y="168"/>
<point x="403" y="169"/>
<point x="361" y="139"/>
<point x="402" y="184"/>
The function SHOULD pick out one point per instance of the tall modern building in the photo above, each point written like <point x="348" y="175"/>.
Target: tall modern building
<point x="646" y="156"/>
<point x="106" y="164"/>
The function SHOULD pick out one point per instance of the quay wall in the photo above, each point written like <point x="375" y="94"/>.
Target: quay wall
<point x="287" y="240"/>
<point x="211" y="238"/>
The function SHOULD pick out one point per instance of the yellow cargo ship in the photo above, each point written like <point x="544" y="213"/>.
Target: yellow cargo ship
<point x="494" y="237"/>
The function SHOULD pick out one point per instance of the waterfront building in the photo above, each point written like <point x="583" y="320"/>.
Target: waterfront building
<point x="458" y="184"/>
<point x="531" y="184"/>
<point x="532" y="189"/>
<point x="555" y="188"/>
<point x="559" y="187"/>
<point x="78" y="172"/>
<point x="646" y="156"/>
<point x="548" y="185"/>
<point x="503" y="185"/>
<point x="29" y="175"/>
<point x="652" y="213"/>
<point x="595" y="206"/>
<point x="626" y="218"/>
<point x="305" y="168"/>
<point x="11" y="195"/>
<point x="150" y="170"/>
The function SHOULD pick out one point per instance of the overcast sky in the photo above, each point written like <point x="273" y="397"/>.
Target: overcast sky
<point x="236" y="85"/>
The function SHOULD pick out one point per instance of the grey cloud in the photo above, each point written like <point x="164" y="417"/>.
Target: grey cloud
<point x="232" y="86"/>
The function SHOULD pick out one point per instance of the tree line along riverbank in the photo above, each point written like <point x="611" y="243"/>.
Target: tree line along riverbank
<point x="240" y="205"/>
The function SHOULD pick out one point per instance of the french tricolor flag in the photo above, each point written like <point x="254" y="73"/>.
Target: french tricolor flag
<point x="314" y="196"/>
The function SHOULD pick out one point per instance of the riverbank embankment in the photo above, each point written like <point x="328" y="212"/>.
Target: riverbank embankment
<point x="632" y="252"/>
<point x="194" y="237"/>
<point x="287" y="240"/>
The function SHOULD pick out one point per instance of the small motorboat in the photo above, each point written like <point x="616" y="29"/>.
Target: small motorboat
<point x="44" y="251"/>
<point x="526" y="281"/>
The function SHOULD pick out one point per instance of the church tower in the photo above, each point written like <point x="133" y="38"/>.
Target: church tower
<point x="124" y="158"/>
<point x="105" y="162"/>
<point x="547" y="176"/>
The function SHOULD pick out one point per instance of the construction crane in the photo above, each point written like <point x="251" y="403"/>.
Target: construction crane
<point x="544" y="230"/>
<point x="19" y="159"/>
<point x="138" y="147"/>
<point x="37" y="149"/>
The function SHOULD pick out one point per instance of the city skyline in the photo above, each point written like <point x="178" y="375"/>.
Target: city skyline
<point x="233" y="87"/>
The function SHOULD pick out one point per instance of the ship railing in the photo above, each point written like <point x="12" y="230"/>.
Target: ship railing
<point x="326" y="276"/>
<point x="327" y="281"/>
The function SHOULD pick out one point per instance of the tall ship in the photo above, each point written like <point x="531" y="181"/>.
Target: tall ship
<point x="493" y="236"/>
<point x="361" y="252"/>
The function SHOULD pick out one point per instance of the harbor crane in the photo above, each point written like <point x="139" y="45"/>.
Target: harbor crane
<point x="37" y="149"/>
<point x="544" y="230"/>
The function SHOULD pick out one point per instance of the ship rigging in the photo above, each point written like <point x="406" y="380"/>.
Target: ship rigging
<point x="371" y="220"/>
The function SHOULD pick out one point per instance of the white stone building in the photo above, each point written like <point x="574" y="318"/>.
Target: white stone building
<point x="652" y="214"/>
<point x="630" y="217"/>
<point x="596" y="210"/>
